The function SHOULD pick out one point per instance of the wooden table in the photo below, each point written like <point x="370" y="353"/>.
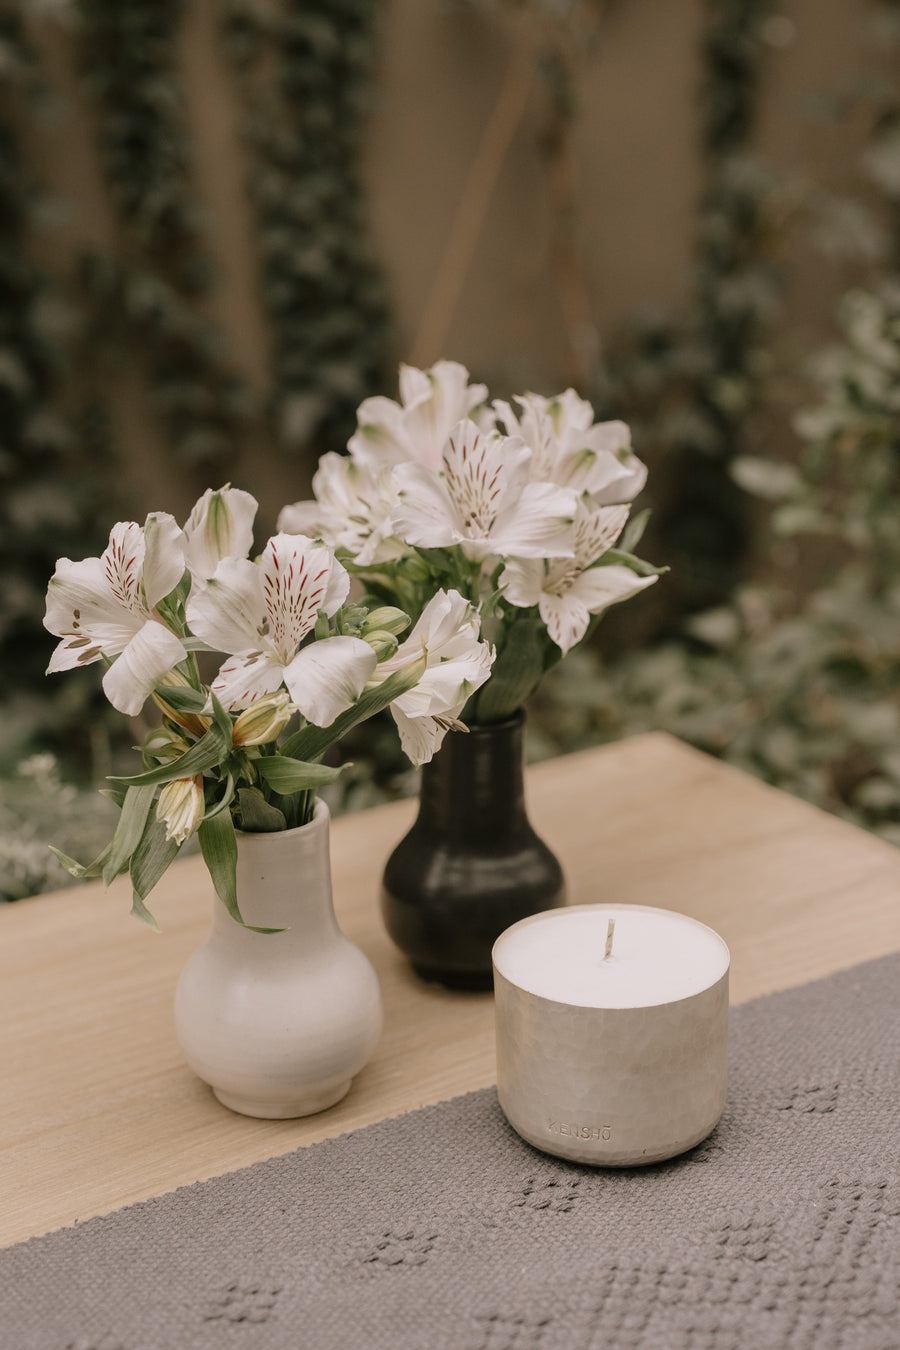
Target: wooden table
<point x="97" y="1109"/>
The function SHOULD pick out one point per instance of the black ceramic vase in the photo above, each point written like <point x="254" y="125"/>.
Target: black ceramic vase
<point x="471" y="864"/>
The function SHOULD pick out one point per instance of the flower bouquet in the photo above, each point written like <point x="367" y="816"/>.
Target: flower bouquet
<point x="523" y="509"/>
<point x="303" y="664"/>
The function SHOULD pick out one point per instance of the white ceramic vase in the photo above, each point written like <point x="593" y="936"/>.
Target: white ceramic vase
<point x="278" y="1023"/>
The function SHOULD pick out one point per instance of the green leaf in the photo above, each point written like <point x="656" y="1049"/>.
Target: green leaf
<point x="224" y="802"/>
<point x="194" y="644"/>
<point x="129" y="831"/>
<point x="181" y="698"/>
<point x="149" y="861"/>
<point x="221" y="719"/>
<point x="638" y="565"/>
<point x="285" y="775"/>
<point x="140" y="911"/>
<point x="209" y="751"/>
<point x="179" y="594"/>
<point x="311" y="742"/>
<point x="518" y="670"/>
<point x="218" y="844"/>
<point x="257" y="815"/>
<point x="77" y="869"/>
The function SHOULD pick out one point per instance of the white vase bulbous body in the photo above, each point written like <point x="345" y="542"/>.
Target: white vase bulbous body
<point x="278" y="1023"/>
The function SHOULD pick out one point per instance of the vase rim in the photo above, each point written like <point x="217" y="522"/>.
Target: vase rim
<point x="321" y="814"/>
<point x="514" y="720"/>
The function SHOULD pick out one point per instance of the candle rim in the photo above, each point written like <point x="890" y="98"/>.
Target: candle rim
<point x="606" y="907"/>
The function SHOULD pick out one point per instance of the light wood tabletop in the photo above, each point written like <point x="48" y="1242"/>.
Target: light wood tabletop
<point x="98" y="1110"/>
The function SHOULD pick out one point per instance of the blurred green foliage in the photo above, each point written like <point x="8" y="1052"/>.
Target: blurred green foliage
<point x="803" y="694"/>
<point x="36" y="805"/>
<point x="322" y="289"/>
<point x="145" y="292"/>
<point x="53" y="483"/>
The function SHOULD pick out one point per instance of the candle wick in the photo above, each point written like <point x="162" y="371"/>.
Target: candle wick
<point x="611" y="928"/>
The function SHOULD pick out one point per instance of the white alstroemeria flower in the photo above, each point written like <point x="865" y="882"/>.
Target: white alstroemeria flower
<point x="482" y="500"/>
<point x="181" y="807"/>
<point x="571" y="449"/>
<point x="457" y="663"/>
<point x="261" y="612"/>
<point x="431" y="403"/>
<point x="567" y="593"/>
<point x="104" y="607"/>
<point x="219" y="526"/>
<point x="351" y="509"/>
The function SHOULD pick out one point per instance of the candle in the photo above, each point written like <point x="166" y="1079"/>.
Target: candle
<point x="612" y="1026"/>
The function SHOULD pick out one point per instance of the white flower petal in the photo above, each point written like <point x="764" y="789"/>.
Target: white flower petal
<point x="596" y="530"/>
<point x="380" y="437"/>
<point x="75" y="651"/>
<point x="457" y="663"/>
<point x="90" y="643"/>
<point x="540" y="524"/>
<point x="447" y="621"/>
<point x="123" y="563"/>
<point x="612" y="438"/>
<point x="229" y="613"/>
<point x="306" y="518"/>
<point x="219" y="526"/>
<point x="566" y="616"/>
<point x="163" y="556"/>
<point x="327" y="677"/>
<point x="435" y="401"/>
<point x="79" y="599"/>
<point x="352" y="508"/>
<point x="600" y="587"/>
<point x="616" y="480"/>
<point x="420" y="737"/>
<point x="150" y="655"/>
<point x="505" y="417"/>
<point x="300" y="577"/>
<point x="243" y="680"/>
<point x="483" y="473"/>
<point x="447" y="628"/>
<point x="425" y="513"/>
<point x="338" y="587"/>
<point x="445" y="688"/>
<point x="521" y="581"/>
<point x="569" y="412"/>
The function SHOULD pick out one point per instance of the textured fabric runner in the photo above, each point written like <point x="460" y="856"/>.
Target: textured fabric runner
<point x="442" y="1229"/>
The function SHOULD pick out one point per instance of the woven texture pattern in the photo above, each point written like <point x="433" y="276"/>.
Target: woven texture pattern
<point x="442" y="1229"/>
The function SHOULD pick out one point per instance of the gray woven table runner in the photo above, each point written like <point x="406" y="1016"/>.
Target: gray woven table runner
<point x="442" y="1229"/>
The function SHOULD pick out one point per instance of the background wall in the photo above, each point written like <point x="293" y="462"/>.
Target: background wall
<point x="557" y="251"/>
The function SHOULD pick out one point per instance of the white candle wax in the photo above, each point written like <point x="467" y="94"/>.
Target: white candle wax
<point x="657" y="956"/>
<point x="611" y="1059"/>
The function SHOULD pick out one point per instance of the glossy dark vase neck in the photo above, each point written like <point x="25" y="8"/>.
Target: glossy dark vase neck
<point x="471" y="865"/>
<point x="473" y="788"/>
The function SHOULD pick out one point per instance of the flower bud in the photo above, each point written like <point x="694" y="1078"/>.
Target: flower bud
<point x="386" y="619"/>
<point x="220" y="526"/>
<point x="163" y="745"/>
<point x="383" y="644"/>
<point x="181" y="807"/>
<point x="194" y="723"/>
<point x="414" y="567"/>
<point x="263" y="721"/>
